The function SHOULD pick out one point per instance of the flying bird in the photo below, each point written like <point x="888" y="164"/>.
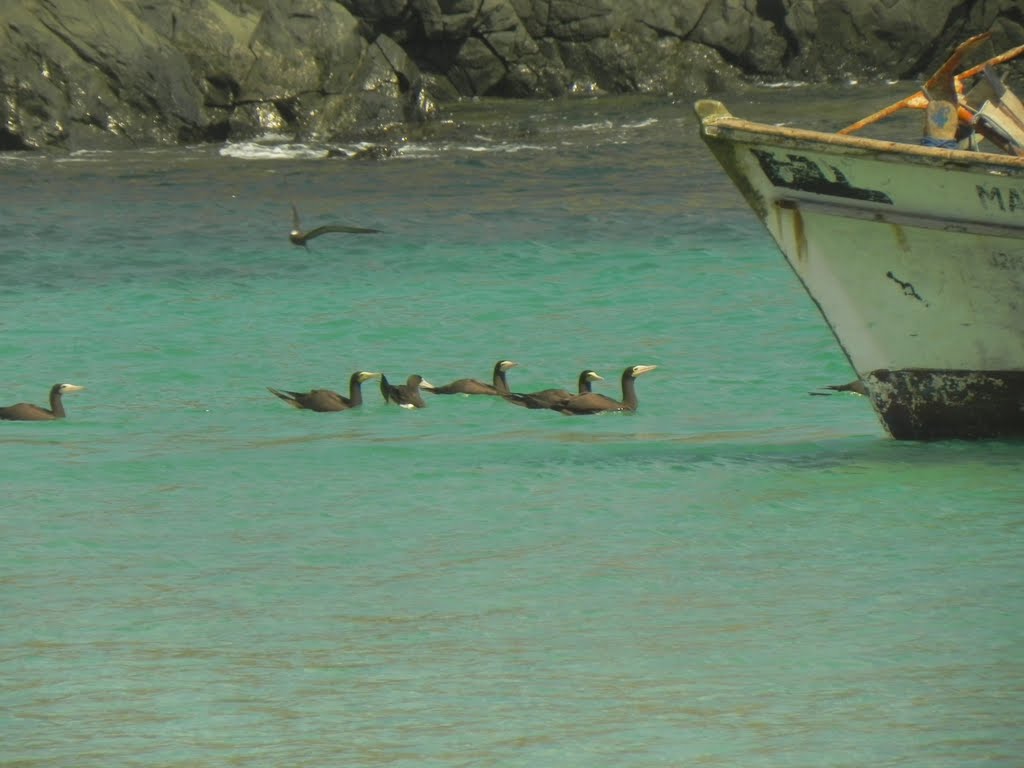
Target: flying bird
<point x="29" y="412"/>
<point x="298" y="237"/>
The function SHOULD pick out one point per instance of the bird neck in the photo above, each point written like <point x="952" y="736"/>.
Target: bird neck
<point x="355" y="392"/>
<point x="629" y="392"/>
<point x="56" y="404"/>
<point x="501" y="383"/>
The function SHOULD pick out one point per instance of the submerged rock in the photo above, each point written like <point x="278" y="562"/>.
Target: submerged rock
<point x="109" y="73"/>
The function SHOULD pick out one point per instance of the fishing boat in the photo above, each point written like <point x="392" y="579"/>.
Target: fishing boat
<point x="913" y="252"/>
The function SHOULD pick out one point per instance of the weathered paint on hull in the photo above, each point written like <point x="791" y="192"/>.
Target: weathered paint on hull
<point x="915" y="258"/>
<point x="942" y="405"/>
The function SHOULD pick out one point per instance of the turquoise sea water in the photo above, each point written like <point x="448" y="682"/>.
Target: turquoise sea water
<point x="739" y="574"/>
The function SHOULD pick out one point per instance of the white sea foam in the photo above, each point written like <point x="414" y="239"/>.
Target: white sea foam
<point x="272" y="147"/>
<point x="86" y="155"/>
<point x="502" y="147"/>
<point x="787" y="84"/>
<point x="604" y="124"/>
<point x="433" y="150"/>
<point x="642" y="124"/>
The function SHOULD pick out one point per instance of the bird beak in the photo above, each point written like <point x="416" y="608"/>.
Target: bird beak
<point x="642" y="369"/>
<point x="426" y="385"/>
<point x="367" y="375"/>
<point x="72" y="388"/>
<point x="596" y="377"/>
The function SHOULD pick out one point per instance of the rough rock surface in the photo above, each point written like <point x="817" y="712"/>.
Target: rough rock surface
<point x="108" y="73"/>
<point x="136" y="72"/>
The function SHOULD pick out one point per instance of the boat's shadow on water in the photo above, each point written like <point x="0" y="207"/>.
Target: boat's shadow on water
<point x="571" y="444"/>
<point x="772" y="450"/>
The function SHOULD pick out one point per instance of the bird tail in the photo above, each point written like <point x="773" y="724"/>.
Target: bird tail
<point x="286" y="396"/>
<point x="856" y="387"/>
<point x="526" y="401"/>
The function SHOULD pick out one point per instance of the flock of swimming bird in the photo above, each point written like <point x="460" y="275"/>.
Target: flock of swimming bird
<point x="409" y="395"/>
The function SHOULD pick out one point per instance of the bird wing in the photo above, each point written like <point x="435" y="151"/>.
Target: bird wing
<point x="406" y="395"/>
<point x="463" y="387"/>
<point x="519" y="398"/>
<point x="590" y="402"/>
<point x="25" y="412"/>
<point x="386" y="389"/>
<point x="314" y="400"/>
<point x="325" y="400"/>
<point x="856" y="386"/>
<point x="317" y="231"/>
<point x="289" y="397"/>
<point x="545" y="398"/>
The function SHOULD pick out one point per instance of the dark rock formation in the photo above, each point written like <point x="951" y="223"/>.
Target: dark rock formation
<point x="136" y="72"/>
<point x="83" y="72"/>
<point x="841" y="38"/>
<point x="88" y="73"/>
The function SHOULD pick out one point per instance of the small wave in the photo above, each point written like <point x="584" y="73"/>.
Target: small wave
<point x="504" y="148"/>
<point x="602" y="125"/>
<point x="272" y="147"/>
<point x="86" y="155"/>
<point x="787" y="84"/>
<point x="642" y="124"/>
<point x="433" y="150"/>
<point x="19" y="157"/>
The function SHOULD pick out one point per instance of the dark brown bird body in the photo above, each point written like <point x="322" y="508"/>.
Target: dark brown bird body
<point x="326" y="400"/>
<point x="404" y="395"/>
<point x="30" y="412"/>
<point x="592" y="402"/>
<point x="476" y="387"/>
<point x="549" y="398"/>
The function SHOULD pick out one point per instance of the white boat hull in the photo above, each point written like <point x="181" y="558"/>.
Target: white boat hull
<point x="915" y="257"/>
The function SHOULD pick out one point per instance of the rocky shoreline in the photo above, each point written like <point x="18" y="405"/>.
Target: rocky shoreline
<point x="110" y="74"/>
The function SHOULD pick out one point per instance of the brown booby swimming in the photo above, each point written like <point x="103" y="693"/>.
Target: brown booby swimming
<point x="29" y="412"/>
<point x="476" y="387"/>
<point x="549" y="398"/>
<point x="592" y="402"/>
<point x="405" y="395"/>
<point x="325" y="400"/>
<point x="855" y="387"/>
<point x="298" y="237"/>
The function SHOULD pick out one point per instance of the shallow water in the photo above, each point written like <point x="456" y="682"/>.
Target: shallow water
<point x="737" y="574"/>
